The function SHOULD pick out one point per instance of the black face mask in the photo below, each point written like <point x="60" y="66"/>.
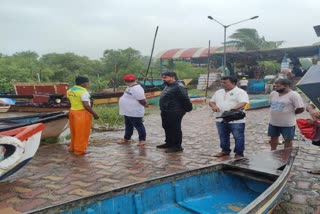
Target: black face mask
<point x="280" y="90"/>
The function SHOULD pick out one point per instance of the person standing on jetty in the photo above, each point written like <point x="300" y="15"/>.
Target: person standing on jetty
<point x="80" y="116"/>
<point x="284" y="105"/>
<point x="174" y="103"/>
<point x="228" y="98"/>
<point x="131" y="105"/>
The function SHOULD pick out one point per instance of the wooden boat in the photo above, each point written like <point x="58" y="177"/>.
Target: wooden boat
<point x="20" y="145"/>
<point x="258" y="102"/>
<point x="197" y="99"/>
<point x="39" y="107"/>
<point x="55" y="123"/>
<point x="113" y="98"/>
<point x="4" y="108"/>
<point x="248" y="185"/>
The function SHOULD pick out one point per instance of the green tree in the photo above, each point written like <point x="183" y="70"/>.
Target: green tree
<point x="249" y="39"/>
<point x="120" y="62"/>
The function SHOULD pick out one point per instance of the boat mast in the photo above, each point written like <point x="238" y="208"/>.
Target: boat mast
<point x="154" y="41"/>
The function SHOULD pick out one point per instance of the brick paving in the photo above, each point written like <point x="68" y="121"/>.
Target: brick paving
<point x="55" y="176"/>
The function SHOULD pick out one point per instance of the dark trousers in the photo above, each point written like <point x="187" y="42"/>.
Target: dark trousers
<point x="134" y="122"/>
<point x="237" y="130"/>
<point x="171" y="123"/>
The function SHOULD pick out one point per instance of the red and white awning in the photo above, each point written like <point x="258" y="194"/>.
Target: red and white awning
<point x="188" y="53"/>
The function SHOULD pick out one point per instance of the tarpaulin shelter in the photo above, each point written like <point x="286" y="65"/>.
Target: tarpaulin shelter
<point x="310" y="84"/>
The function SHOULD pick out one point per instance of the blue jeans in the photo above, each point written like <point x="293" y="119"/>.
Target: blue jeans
<point x="134" y="122"/>
<point x="237" y="130"/>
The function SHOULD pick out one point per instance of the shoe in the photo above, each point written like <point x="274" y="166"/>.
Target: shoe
<point x="221" y="154"/>
<point x="163" y="146"/>
<point x="174" y="149"/>
<point x="124" y="141"/>
<point x="314" y="171"/>
<point x="141" y="143"/>
<point x="238" y="156"/>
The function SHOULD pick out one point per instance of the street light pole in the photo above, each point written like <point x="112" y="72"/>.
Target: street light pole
<point x="225" y="37"/>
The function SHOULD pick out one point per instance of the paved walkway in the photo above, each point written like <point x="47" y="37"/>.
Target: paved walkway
<point x="55" y="176"/>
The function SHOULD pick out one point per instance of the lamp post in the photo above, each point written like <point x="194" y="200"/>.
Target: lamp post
<point x="225" y="37"/>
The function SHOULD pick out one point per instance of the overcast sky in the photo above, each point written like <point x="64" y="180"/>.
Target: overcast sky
<point x="87" y="28"/>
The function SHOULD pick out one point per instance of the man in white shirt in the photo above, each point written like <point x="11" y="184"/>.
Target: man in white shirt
<point x="284" y="105"/>
<point x="131" y="105"/>
<point x="226" y="99"/>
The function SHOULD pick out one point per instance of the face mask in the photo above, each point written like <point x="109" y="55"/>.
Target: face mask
<point x="280" y="90"/>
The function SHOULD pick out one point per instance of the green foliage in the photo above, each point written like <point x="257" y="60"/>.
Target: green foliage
<point x="305" y="63"/>
<point x="271" y="67"/>
<point x="109" y="116"/>
<point x="50" y="140"/>
<point x="186" y="70"/>
<point x="249" y="39"/>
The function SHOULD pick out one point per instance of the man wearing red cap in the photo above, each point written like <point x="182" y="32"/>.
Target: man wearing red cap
<point x="131" y="105"/>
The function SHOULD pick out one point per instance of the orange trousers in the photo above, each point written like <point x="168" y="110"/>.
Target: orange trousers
<point x="80" y="127"/>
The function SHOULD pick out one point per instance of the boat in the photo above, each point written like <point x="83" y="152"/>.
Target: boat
<point x="197" y="99"/>
<point x="55" y="123"/>
<point x="248" y="185"/>
<point x="152" y="96"/>
<point x="4" y="108"/>
<point x="38" y="97"/>
<point x="39" y="107"/>
<point x="20" y="145"/>
<point x="257" y="102"/>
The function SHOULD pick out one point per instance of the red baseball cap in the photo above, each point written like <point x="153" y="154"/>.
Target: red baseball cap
<point x="129" y="77"/>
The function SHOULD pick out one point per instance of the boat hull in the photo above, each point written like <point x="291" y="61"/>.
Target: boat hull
<point x="55" y="123"/>
<point x="21" y="148"/>
<point x="98" y="100"/>
<point x="222" y="188"/>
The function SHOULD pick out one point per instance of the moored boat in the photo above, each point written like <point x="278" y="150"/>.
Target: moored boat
<point x="20" y="145"/>
<point x="257" y="102"/>
<point x="55" y="122"/>
<point x="113" y="98"/>
<point x="4" y="108"/>
<point x="249" y="185"/>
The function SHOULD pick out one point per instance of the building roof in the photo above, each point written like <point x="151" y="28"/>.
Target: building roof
<point x="188" y="53"/>
<point x="273" y="54"/>
<point x="236" y="56"/>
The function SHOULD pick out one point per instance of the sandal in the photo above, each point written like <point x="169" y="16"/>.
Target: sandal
<point x="221" y="154"/>
<point x="314" y="171"/>
<point x="141" y="143"/>
<point x="124" y="141"/>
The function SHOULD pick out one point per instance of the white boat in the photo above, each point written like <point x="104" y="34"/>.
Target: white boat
<point x="4" y="108"/>
<point x="18" y="145"/>
<point x="55" y="122"/>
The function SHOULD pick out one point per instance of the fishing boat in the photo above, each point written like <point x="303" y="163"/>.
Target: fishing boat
<point x="197" y="99"/>
<point x="39" y="107"/>
<point x="249" y="185"/>
<point x="152" y="96"/>
<point x="258" y="102"/>
<point x="18" y="146"/>
<point x="38" y="97"/>
<point x="4" y="108"/>
<point x="55" y="123"/>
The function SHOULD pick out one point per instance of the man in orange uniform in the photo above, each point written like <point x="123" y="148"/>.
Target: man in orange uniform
<point x="80" y="116"/>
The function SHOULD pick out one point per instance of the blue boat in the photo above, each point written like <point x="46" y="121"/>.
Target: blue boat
<point x="257" y="102"/>
<point x="247" y="185"/>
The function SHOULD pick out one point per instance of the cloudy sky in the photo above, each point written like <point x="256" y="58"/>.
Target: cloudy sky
<point x="88" y="28"/>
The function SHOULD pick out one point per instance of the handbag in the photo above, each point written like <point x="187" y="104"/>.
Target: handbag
<point x="307" y="129"/>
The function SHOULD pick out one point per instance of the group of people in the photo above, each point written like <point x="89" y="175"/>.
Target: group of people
<point x="174" y="103"/>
